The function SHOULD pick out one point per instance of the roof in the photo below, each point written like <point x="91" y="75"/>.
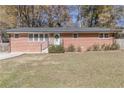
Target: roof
<point x="60" y="30"/>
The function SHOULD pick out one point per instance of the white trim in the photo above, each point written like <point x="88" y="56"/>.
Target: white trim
<point x="77" y="35"/>
<point x="56" y="33"/>
<point x="39" y="37"/>
<point x="59" y="38"/>
<point x="15" y="34"/>
<point x="103" y="36"/>
<point x="44" y="36"/>
<point x="36" y="38"/>
<point x="33" y="40"/>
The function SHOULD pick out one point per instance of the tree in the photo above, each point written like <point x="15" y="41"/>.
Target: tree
<point x="88" y="15"/>
<point x="54" y="16"/>
<point x="106" y="16"/>
<point x="97" y="16"/>
<point x="7" y="16"/>
<point x="35" y="16"/>
<point x="59" y="16"/>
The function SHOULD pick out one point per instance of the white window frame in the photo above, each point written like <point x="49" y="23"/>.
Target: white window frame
<point x="107" y="34"/>
<point x="103" y="36"/>
<point x="37" y="38"/>
<point x="33" y="40"/>
<point x="77" y="35"/>
<point x="15" y="35"/>
<point x="42" y="37"/>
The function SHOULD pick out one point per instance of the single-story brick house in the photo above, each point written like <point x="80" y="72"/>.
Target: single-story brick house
<point x="28" y="39"/>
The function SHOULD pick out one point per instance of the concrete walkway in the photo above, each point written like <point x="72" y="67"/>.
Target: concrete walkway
<point x="9" y="55"/>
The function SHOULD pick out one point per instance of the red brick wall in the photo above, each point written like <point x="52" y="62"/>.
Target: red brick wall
<point x="22" y="44"/>
<point x="85" y="40"/>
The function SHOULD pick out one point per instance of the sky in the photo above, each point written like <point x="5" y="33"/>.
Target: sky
<point x="120" y="22"/>
<point x="74" y="13"/>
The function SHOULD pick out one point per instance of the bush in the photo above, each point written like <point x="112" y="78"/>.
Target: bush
<point x="115" y="46"/>
<point x="71" y="48"/>
<point x="95" y="48"/>
<point x="51" y="49"/>
<point x="56" y="49"/>
<point x="89" y="49"/>
<point x="79" y="49"/>
<point x="107" y="47"/>
<point x="104" y="47"/>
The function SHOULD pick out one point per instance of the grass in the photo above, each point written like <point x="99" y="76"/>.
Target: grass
<point x="90" y="69"/>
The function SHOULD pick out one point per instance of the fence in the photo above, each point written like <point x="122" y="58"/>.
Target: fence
<point x="44" y="45"/>
<point x="4" y="47"/>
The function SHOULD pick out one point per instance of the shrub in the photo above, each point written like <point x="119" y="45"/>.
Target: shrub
<point x="56" y="49"/>
<point x="89" y="49"/>
<point x="107" y="47"/>
<point x="95" y="48"/>
<point x="115" y="46"/>
<point x="103" y="47"/>
<point x="60" y="49"/>
<point x="71" y="48"/>
<point x="79" y="49"/>
<point x="51" y="49"/>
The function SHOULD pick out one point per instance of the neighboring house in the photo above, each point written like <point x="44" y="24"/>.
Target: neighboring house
<point x="38" y="39"/>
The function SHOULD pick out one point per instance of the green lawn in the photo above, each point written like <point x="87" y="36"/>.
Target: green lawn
<point x="90" y="69"/>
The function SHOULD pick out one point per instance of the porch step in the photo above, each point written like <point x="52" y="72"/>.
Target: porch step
<point x="45" y="50"/>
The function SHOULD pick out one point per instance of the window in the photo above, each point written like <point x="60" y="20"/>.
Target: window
<point x="35" y="37"/>
<point x="100" y="35"/>
<point x="41" y="37"/>
<point x="16" y="35"/>
<point x="75" y="35"/>
<point x="103" y="35"/>
<point x="106" y="35"/>
<point x="38" y="37"/>
<point x="121" y="35"/>
<point x="31" y="37"/>
<point x="46" y="37"/>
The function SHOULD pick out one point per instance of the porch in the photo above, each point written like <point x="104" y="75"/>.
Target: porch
<point x="48" y="41"/>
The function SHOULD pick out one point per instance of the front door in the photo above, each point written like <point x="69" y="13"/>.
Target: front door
<point x="57" y="39"/>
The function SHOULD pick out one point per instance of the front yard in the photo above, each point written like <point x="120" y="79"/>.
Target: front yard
<point x="90" y="69"/>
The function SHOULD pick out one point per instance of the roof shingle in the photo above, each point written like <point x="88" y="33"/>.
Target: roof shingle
<point x="61" y="29"/>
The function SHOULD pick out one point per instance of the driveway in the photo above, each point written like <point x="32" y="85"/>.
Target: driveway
<point x="9" y="55"/>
